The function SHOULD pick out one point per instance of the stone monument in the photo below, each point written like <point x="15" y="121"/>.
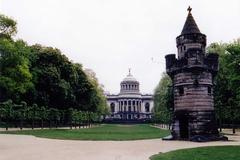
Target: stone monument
<point x="192" y="74"/>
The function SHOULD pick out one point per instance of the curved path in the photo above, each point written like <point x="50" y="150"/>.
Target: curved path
<point x="23" y="147"/>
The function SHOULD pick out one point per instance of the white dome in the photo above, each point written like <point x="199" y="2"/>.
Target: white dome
<point x="129" y="85"/>
<point x="130" y="78"/>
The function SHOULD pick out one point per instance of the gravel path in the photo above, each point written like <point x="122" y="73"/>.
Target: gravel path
<point x="23" y="147"/>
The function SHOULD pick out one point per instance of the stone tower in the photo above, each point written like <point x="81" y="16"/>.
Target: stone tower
<point x="192" y="74"/>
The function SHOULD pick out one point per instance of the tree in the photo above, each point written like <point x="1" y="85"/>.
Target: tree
<point x="98" y="100"/>
<point x="8" y="112"/>
<point x="70" y="116"/>
<point x="163" y="100"/>
<point x="1" y="113"/>
<point x="43" y="115"/>
<point x="19" y="114"/>
<point x="22" y="113"/>
<point x="54" y="116"/>
<point x="226" y="88"/>
<point x="44" y="76"/>
<point x="15" y="77"/>
<point x="75" y="117"/>
<point x="8" y="27"/>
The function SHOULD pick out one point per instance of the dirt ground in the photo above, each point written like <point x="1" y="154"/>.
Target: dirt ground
<point x="23" y="147"/>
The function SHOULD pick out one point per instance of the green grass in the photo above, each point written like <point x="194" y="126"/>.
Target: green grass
<point x="103" y="132"/>
<point x="202" y="153"/>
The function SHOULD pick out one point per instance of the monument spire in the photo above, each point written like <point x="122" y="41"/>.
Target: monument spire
<point x="129" y="71"/>
<point x="190" y="25"/>
<point x="189" y="9"/>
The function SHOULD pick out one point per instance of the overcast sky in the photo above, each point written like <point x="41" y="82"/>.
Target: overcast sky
<point x="110" y="36"/>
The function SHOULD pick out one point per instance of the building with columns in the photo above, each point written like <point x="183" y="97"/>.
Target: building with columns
<point x="130" y="104"/>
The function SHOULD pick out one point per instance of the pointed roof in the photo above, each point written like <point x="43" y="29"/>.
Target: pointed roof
<point x="190" y="25"/>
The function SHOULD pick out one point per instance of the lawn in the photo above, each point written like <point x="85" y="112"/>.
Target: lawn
<point x="103" y="132"/>
<point x="202" y="153"/>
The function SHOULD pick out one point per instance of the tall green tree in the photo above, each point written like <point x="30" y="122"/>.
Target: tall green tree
<point x="163" y="100"/>
<point x="15" y="76"/>
<point x="8" y="112"/>
<point x="226" y="88"/>
<point x="43" y="114"/>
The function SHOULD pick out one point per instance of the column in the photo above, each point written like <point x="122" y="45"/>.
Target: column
<point x="124" y="105"/>
<point x="140" y="106"/>
<point x="137" y="105"/>
<point x="120" y="105"/>
<point x="134" y="108"/>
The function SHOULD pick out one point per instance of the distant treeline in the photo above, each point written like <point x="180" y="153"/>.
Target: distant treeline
<point x="42" y="77"/>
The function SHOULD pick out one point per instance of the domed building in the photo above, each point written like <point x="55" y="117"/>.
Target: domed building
<point x="130" y="104"/>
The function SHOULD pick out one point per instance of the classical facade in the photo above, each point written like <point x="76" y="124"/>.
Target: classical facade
<point x="192" y="74"/>
<point x="130" y="104"/>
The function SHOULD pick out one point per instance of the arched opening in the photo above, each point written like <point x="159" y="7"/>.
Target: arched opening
<point x="112" y="107"/>
<point x="129" y="108"/>
<point x="147" y="107"/>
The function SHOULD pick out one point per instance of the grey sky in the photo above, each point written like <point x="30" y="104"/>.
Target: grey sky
<point x="110" y="36"/>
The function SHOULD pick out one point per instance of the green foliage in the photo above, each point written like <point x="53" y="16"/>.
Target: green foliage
<point x="7" y="112"/>
<point x="8" y="27"/>
<point x="201" y="153"/>
<point x="163" y="100"/>
<point x="227" y="88"/>
<point x="15" y="77"/>
<point x="43" y="76"/>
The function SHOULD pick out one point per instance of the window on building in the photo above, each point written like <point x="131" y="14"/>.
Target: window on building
<point x="181" y="91"/>
<point x="195" y="83"/>
<point x="209" y="90"/>
<point x="112" y="107"/>
<point x="147" y="107"/>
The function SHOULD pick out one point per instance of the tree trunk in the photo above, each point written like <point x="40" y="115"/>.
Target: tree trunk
<point x="21" y="124"/>
<point x="42" y="123"/>
<point x="56" y="124"/>
<point x="32" y="124"/>
<point x="233" y="127"/>
<point x="7" y="124"/>
<point x="220" y="124"/>
<point x="50" y="124"/>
